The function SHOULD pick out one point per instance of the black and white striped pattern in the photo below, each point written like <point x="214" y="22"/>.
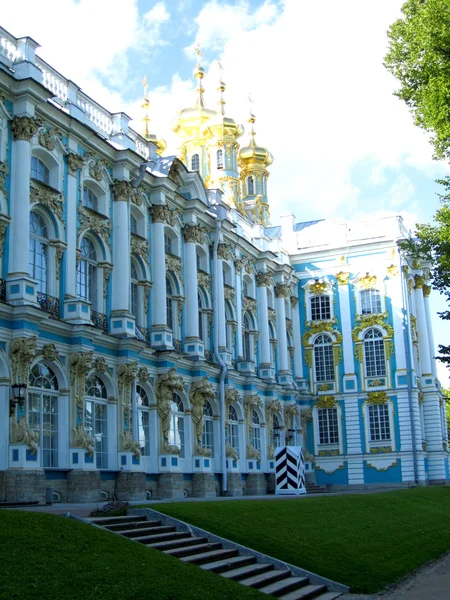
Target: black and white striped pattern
<point x="289" y="470"/>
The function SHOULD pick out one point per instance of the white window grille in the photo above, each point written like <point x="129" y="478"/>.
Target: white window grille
<point x="328" y="426"/>
<point x="220" y="163"/>
<point x="255" y="434"/>
<point x="208" y="428"/>
<point x="375" y="359"/>
<point x="39" y="170"/>
<point x="43" y="412"/>
<point x="90" y="199"/>
<point x="96" y="418"/>
<point x="323" y="358"/>
<point x="87" y="273"/>
<point x="169" y="303"/>
<point x="320" y="308"/>
<point x="379" y="425"/>
<point x="195" y="162"/>
<point x="143" y="406"/>
<point x="176" y="431"/>
<point x="38" y="251"/>
<point x="233" y="428"/>
<point x="370" y="302"/>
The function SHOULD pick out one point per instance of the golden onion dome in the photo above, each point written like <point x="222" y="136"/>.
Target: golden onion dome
<point x="253" y="154"/>
<point x="221" y="126"/>
<point x="190" y="121"/>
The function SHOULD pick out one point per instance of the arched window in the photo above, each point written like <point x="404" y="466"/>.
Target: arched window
<point x="195" y="162"/>
<point x="208" y="428"/>
<point x="133" y="224"/>
<point x="38" y="251"/>
<point x="95" y="418"/>
<point x="246" y="338"/>
<point x="220" y="158"/>
<point x="323" y="358"/>
<point x="375" y="359"/>
<point x="135" y="292"/>
<point x="87" y="273"/>
<point x="169" y="302"/>
<point x="233" y="428"/>
<point x="43" y="411"/>
<point x="255" y="434"/>
<point x="276" y="431"/>
<point x="370" y="302"/>
<point x="39" y="170"/>
<point x="90" y="199"/>
<point x="250" y="186"/>
<point x="320" y="308"/>
<point x="143" y="406"/>
<point x="176" y="431"/>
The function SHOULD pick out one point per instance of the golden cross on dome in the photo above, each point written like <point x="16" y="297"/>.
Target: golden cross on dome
<point x="145" y="84"/>
<point x="198" y="52"/>
<point x="220" y="64"/>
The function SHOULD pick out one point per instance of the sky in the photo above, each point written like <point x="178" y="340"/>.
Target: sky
<point x="344" y="146"/>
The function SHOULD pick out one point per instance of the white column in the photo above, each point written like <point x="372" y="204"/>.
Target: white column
<point x="346" y="323"/>
<point x="424" y="349"/>
<point x="121" y="247"/>
<point x="74" y="162"/>
<point x="394" y="292"/>
<point x="4" y="426"/>
<point x="191" y="290"/>
<point x="23" y="130"/>
<point x="282" y="292"/>
<point x="159" y="315"/>
<point x="221" y="322"/>
<point x="240" y="349"/>
<point x="298" y="364"/>
<point x="426" y="295"/>
<point x="263" y="320"/>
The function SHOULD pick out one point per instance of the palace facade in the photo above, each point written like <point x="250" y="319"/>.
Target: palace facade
<point x="159" y="338"/>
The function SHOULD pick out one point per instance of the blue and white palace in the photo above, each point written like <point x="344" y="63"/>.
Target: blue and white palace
<point x="159" y="338"/>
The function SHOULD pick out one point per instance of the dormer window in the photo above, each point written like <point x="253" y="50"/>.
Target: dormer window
<point x="250" y="186"/>
<point x="220" y="158"/>
<point x="320" y="308"/>
<point x="195" y="162"/>
<point x="39" y="170"/>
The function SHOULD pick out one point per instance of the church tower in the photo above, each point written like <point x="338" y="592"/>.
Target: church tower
<point x="253" y="161"/>
<point x="223" y="133"/>
<point x="189" y="126"/>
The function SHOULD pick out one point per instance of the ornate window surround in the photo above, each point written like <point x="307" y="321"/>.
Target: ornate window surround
<point x="379" y="322"/>
<point x="382" y="446"/>
<point x="334" y="449"/>
<point x="314" y="288"/>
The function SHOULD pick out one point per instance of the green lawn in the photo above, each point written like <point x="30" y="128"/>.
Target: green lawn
<point x="363" y="541"/>
<point x="50" y="557"/>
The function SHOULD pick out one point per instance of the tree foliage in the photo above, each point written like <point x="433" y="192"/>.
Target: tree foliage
<point x="432" y="244"/>
<point x="419" y="57"/>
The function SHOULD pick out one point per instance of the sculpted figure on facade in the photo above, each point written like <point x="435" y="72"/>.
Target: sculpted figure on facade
<point x="47" y="137"/>
<point x="305" y="418"/>
<point x="282" y="290"/>
<point x="49" y="352"/>
<point x="100" y="365"/>
<point x="224" y="251"/>
<point x="122" y="190"/>
<point x="22" y="351"/>
<point x="80" y="365"/>
<point x="130" y="445"/>
<point x="194" y="234"/>
<point x="200" y="392"/>
<point x="126" y="373"/>
<point x="52" y="200"/>
<point x="251" y="403"/>
<point x="272" y="407"/>
<point x="23" y="434"/>
<point x="74" y="162"/>
<point x="290" y="411"/>
<point x="143" y="374"/>
<point x="263" y="279"/>
<point x="82" y="439"/>
<point x="166" y="385"/>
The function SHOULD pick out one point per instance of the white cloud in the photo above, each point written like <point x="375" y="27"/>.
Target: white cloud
<point x="400" y="191"/>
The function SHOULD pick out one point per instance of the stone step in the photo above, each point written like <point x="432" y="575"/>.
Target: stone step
<point x="204" y="557"/>
<point x="133" y="533"/>
<point x="219" y="566"/>
<point x="258" y="581"/>
<point x="178" y="543"/>
<point x="198" y="548"/>
<point x="284" y="586"/>
<point x="160" y="537"/>
<point x="305" y="593"/>
<point x="137" y="524"/>
<point x="328" y="596"/>
<point x="247" y="571"/>
<point x="113" y="520"/>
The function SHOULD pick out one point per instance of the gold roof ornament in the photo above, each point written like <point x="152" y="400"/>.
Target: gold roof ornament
<point x="253" y="155"/>
<point x="145" y="132"/>
<point x="190" y="121"/>
<point x="368" y="281"/>
<point x="318" y="287"/>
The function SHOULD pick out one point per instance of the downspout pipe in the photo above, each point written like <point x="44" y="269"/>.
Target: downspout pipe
<point x="410" y="366"/>
<point x="223" y="366"/>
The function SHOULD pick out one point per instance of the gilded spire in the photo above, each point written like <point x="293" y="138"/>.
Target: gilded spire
<point x="199" y="73"/>
<point x="150" y="137"/>
<point x="221" y="89"/>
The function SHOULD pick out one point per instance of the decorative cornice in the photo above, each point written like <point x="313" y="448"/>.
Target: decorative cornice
<point x="24" y="128"/>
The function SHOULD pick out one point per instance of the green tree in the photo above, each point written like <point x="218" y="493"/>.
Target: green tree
<point x="419" y="57"/>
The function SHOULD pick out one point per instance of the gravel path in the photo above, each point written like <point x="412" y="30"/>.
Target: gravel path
<point x="430" y="581"/>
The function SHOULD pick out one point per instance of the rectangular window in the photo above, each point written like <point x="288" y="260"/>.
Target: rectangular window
<point x="135" y="302"/>
<point x="370" y="302"/>
<point x="324" y="363"/>
<point x="320" y="308"/>
<point x="380" y="429"/>
<point x="233" y="435"/>
<point x="208" y="435"/>
<point x="375" y="361"/>
<point x="40" y="171"/>
<point x="89" y="199"/>
<point x="328" y="426"/>
<point x="49" y="431"/>
<point x="256" y="438"/>
<point x="95" y="423"/>
<point x="167" y="244"/>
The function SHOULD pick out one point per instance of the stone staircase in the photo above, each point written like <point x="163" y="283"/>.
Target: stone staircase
<point x="211" y="556"/>
<point x="313" y="488"/>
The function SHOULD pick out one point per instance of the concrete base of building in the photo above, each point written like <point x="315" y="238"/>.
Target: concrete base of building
<point x="235" y="485"/>
<point x="203" y="485"/>
<point x="172" y="485"/>
<point x="256" y="484"/>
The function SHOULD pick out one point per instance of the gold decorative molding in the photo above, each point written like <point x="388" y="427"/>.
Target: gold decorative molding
<point x="22" y="352"/>
<point x="199" y="393"/>
<point x="294" y="301"/>
<point x="392" y="271"/>
<point x="140" y="246"/>
<point x="318" y="287"/>
<point x="204" y="279"/>
<point x="248" y="304"/>
<point x="166" y="385"/>
<point x="381" y="449"/>
<point x="419" y="282"/>
<point x="377" y="398"/>
<point x="326" y="402"/>
<point x="100" y="365"/>
<point x="48" y="137"/>
<point x="161" y="213"/>
<point x="224" y="251"/>
<point x="290" y="411"/>
<point x="126" y="373"/>
<point x="54" y="201"/>
<point x="91" y="220"/>
<point x="426" y="290"/>
<point x="173" y="263"/>
<point x="342" y="278"/>
<point x="368" y="282"/>
<point x="122" y="190"/>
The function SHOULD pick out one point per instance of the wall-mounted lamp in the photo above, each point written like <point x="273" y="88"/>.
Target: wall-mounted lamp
<point x="18" y="390"/>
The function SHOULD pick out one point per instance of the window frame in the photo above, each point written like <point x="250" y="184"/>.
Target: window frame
<point x="100" y="400"/>
<point x="49" y="456"/>
<point x="321" y="371"/>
